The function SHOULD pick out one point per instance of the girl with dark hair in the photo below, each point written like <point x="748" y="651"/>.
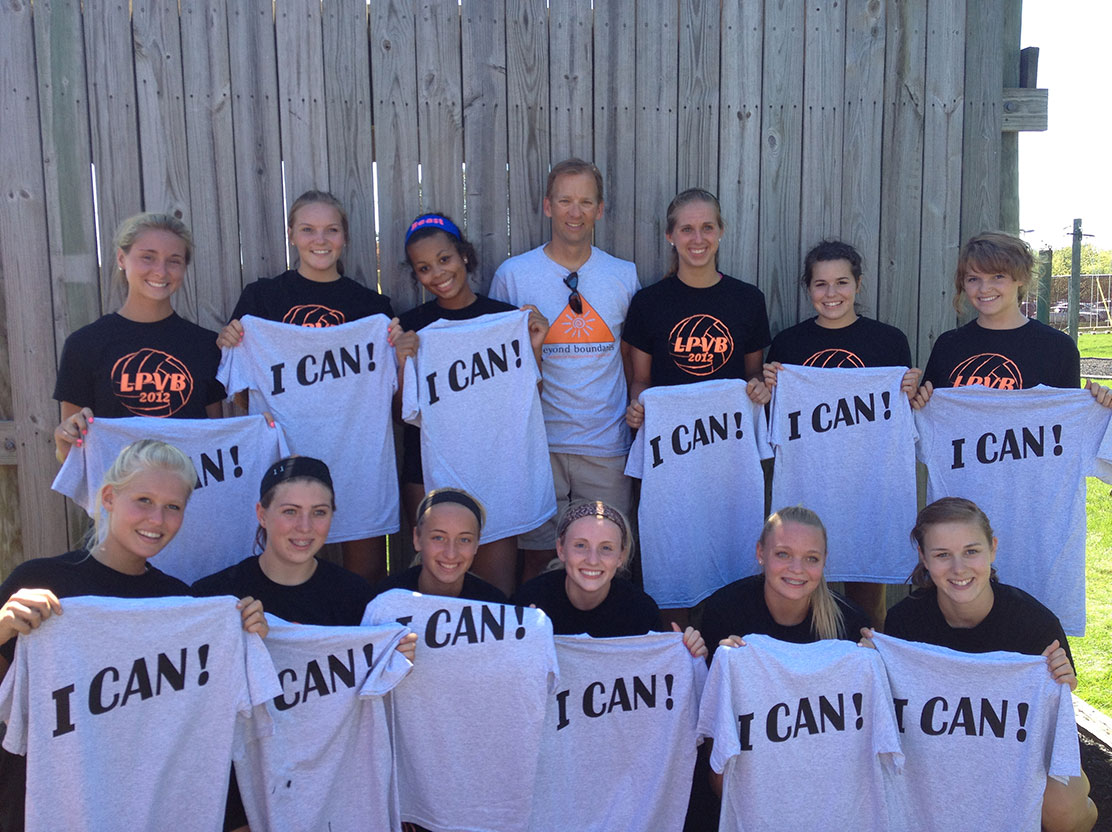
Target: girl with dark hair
<point x="838" y="337"/>
<point x="697" y="323"/>
<point x="958" y="602"/>
<point x="316" y="293"/>
<point x="143" y="360"/>
<point x="442" y="259"/>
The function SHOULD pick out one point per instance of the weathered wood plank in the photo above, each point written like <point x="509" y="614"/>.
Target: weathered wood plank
<point x="258" y="153"/>
<point x="67" y="156"/>
<point x="27" y="373"/>
<point x="942" y="135"/>
<point x="394" y="84"/>
<point x="484" y="134"/>
<point x="304" y="125"/>
<point x="781" y="160"/>
<point x="982" y="124"/>
<point x="114" y="127"/>
<point x="740" y="137"/>
<point x="347" y="95"/>
<point x="615" y="122"/>
<point x="527" y="112"/>
<point x="700" y="27"/>
<point x="215" y="271"/>
<point x="655" y="160"/>
<point x="440" y="102"/>
<point x="569" y="78"/>
<point x="902" y="167"/>
<point x="1009" y="142"/>
<point x="862" y="134"/>
<point x="1024" y="110"/>
<point x="824" y="70"/>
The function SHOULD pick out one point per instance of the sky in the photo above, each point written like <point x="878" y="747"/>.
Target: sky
<point x="1066" y="171"/>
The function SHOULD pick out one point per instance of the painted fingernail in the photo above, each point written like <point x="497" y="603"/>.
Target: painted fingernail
<point x="79" y="443"/>
<point x="89" y="420"/>
<point x="84" y="431"/>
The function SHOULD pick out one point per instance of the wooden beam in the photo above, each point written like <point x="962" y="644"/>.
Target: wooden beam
<point x="8" y="443"/>
<point x="1029" y="67"/>
<point x="1024" y="109"/>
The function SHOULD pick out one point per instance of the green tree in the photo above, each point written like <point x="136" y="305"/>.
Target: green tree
<point x="1093" y="260"/>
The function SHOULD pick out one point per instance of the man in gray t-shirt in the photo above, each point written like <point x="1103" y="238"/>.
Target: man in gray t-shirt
<point x="584" y="293"/>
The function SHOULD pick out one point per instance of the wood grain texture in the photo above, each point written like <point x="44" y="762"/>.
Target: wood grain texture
<point x="440" y="103"/>
<point x="28" y="344"/>
<point x="394" y="113"/>
<point x="258" y="153"/>
<point x="215" y="270"/>
<point x="781" y="159"/>
<point x="740" y="137"/>
<point x="942" y="136"/>
<point x="66" y="165"/>
<point x="700" y="26"/>
<point x="824" y="71"/>
<point x="615" y="123"/>
<point x="902" y="167"/>
<point x="114" y="127"/>
<point x="302" y="116"/>
<point x="570" y="44"/>
<point x="527" y="114"/>
<point x="485" y="135"/>
<point x="655" y="160"/>
<point x="347" y="96"/>
<point x="982" y="125"/>
<point x="862" y="132"/>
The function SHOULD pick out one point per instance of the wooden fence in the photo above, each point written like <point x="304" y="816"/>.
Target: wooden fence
<point x="879" y="122"/>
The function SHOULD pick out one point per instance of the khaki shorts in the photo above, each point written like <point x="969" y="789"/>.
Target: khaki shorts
<point x="579" y="477"/>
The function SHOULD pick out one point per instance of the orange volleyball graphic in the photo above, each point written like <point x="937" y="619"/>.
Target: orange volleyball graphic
<point x="314" y="315"/>
<point x="149" y="382"/>
<point x="700" y="344"/>
<point x="834" y="358"/>
<point x="988" y="369"/>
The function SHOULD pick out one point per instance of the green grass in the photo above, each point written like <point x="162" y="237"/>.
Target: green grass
<point x="1095" y="345"/>
<point x="1093" y="653"/>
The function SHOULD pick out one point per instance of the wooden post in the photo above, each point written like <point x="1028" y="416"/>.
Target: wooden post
<point x="1046" y="268"/>
<point x="1075" y="281"/>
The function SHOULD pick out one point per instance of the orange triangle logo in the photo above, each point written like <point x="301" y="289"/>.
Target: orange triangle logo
<point x="588" y="328"/>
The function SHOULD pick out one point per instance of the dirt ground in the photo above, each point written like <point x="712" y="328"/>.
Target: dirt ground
<point x="1096" y="759"/>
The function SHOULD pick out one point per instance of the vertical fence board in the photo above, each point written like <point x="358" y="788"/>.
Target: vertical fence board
<point x="781" y="159"/>
<point x="484" y="134"/>
<point x="655" y="160"/>
<point x="698" y="82"/>
<point x="739" y="137"/>
<point x="27" y="373"/>
<point x="942" y="182"/>
<point x="863" y="116"/>
<point x="347" y="94"/>
<point x="258" y="155"/>
<point x="615" y="123"/>
<point x="303" y="123"/>
<point x="902" y="167"/>
<point x="114" y="127"/>
<point x="66" y="160"/>
<point x="394" y="84"/>
<point x="159" y="95"/>
<point x="820" y="200"/>
<point x="215" y="218"/>
<point x="570" y="78"/>
<point x="981" y="128"/>
<point x="440" y="97"/>
<point x="527" y="114"/>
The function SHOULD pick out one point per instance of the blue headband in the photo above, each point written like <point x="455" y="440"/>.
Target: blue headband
<point x="437" y="221"/>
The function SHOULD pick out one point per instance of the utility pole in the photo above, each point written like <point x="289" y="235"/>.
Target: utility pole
<point x="1075" y="282"/>
<point x="1042" y="301"/>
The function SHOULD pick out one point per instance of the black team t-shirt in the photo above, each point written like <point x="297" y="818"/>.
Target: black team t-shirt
<point x="626" y="610"/>
<point x="697" y="334"/>
<point x="118" y="367"/>
<point x="739" y="608"/>
<point x="1004" y="359"/>
<point x="1017" y="622"/>
<point x="474" y="587"/>
<point x="864" y="343"/>
<point x="332" y="597"/>
<point x="293" y="299"/>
